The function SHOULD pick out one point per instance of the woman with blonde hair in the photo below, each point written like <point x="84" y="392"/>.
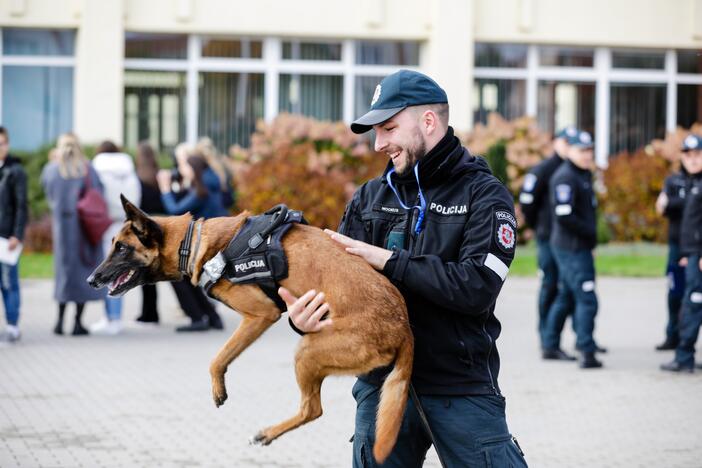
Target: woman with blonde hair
<point x="206" y="149"/>
<point x="63" y="179"/>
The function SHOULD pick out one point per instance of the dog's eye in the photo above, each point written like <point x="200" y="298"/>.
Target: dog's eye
<point x="119" y="247"/>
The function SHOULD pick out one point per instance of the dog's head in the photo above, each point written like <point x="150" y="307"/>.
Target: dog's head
<point x="133" y="258"/>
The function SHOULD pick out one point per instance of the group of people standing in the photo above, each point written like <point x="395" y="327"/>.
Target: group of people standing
<point x="558" y="201"/>
<point x="202" y="186"/>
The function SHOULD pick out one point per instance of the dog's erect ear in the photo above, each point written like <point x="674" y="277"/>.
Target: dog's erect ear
<point x="146" y="229"/>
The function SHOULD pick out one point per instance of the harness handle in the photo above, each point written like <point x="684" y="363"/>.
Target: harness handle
<point x="280" y="214"/>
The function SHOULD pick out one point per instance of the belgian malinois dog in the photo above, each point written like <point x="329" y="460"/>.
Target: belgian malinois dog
<point x="369" y="327"/>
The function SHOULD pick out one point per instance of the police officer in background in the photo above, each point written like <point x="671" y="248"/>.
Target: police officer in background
<point x="441" y="227"/>
<point x="670" y="203"/>
<point x="573" y="237"/>
<point x="691" y="250"/>
<point x="534" y="201"/>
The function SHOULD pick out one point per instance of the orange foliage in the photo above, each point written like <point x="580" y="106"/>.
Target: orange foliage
<point x="309" y="165"/>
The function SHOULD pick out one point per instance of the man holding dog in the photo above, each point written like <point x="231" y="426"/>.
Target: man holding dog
<point x="442" y="228"/>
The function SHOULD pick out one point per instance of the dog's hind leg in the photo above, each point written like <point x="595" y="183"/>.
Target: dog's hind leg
<point x="246" y="333"/>
<point x="321" y="355"/>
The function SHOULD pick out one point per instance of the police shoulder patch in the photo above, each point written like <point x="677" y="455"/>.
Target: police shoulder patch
<point x="529" y="182"/>
<point x="505" y="230"/>
<point x="563" y="193"/>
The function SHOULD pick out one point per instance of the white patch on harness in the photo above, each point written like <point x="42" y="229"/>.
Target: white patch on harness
<point x="563" y="210"/>
<point x="696" y="297"/>
<point x="526" y="198"/>
<point x="588" y="286"/>
<point x="496" y="265"/>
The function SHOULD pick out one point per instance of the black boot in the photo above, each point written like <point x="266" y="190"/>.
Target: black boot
<point x="675" y="366"/>
<point x="199" y="325"/>
<point x="589" y="361"/>
<point x="79" y="330"/>
<point x="556" y="355"/>
<point x="668" y="345"/>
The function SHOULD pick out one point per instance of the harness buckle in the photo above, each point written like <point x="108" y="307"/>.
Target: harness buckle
<point x="255" y="241"/>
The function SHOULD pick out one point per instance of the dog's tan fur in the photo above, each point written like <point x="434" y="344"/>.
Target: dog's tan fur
<point x="370" y="326"/>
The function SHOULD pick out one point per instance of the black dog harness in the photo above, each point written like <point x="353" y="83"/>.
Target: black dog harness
<point x="255" y="255"/>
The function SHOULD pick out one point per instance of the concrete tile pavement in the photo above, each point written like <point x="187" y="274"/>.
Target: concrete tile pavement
<point x="143" y="398"/>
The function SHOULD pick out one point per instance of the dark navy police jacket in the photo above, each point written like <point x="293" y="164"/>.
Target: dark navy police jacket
<point x="676" y="188"/>
<point x="452" y="271"/>
<point x="691" y="225"/>
<point x="573" y="205"/>
<point x="534" y="196"/>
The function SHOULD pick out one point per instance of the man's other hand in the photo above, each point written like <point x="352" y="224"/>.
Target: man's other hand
<point x="306" y="312"/>
<point x="377" y="257"/>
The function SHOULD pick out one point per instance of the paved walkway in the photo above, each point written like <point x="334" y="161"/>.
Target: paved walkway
<point x="143" y="398"/>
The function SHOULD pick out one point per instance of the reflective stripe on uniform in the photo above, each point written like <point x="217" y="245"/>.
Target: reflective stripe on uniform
<point x="563" y="210"/>
<point x="526" y="198"/>
<point x="496" y="265"/>
<point x="696" y="297"/>
<point x="588" y="286"/>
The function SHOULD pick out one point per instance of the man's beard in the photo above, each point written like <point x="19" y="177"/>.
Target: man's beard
<point x="414" y="153"/>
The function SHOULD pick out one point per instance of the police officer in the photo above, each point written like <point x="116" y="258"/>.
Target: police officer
<point x="535" y="205"/>
<point x="670" y="203"/>
<point x="573" y="237"/>
<point x="691" y="249"/>
<point x="442" y="228"/>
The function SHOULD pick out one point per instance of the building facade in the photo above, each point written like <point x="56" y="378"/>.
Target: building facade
<point x="171" y="70"/>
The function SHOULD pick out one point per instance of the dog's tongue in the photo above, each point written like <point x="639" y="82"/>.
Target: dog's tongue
<point x="120" y="280"/>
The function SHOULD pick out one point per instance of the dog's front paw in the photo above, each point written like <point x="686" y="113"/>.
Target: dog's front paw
<point x="219" y="395"/>
<point x="260" y="439"/>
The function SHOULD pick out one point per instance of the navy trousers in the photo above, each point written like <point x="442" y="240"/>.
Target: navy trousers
<point x="471" y="431"/>
<point x="676" y="292"/>
<point x="577" y="274"/>
<point x="691" y="317"/>
<point x="548" y="270"/>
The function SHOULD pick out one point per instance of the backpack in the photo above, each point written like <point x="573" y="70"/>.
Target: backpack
<point x="93" y="215"/>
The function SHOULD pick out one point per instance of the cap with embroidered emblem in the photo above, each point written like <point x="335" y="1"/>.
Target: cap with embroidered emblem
<point x="567" y="132"/>
<point x="692" y="142"/>
<point x="396" y="92"/>
<point x="581" y="139"/>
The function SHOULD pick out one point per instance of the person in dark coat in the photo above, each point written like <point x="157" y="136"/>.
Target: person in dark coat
<point x="63" y="179"/>
<point x="200" y="195"/>
<point x="13" y="219"/>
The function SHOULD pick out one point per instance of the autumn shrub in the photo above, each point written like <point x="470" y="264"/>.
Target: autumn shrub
<point x="307" y="164"/>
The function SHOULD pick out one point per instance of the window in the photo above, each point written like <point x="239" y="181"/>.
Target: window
<point x="690" y="61"/>
<point x="155" y="46"/>
<point x="564" y="103"/>
<point x="387" y="53"/>
<point x="230" y="105"/>
<point x="634" y="58"/>
<point x="689" y="105"/>
<point x="295" y="50"/>
<point x="506" y="97"/>
<point x="37" y="104"/>
<point x="318" y="96"/>
<point x="38" y="42"/>
<point x="36" y="97"/>
<point x="232" y="48"/>
<point x="557" y="56"/>
<point x="500" y="55"/>
<point x="154" y="108"/>
<point x="637" y="115"/>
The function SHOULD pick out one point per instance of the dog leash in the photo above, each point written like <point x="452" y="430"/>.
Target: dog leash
<point x="425" y="422"/>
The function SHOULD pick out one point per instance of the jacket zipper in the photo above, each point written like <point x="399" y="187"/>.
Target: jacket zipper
<point x="492" y="381"/>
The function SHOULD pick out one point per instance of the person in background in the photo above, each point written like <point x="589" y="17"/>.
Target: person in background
<point x="63" y="180"/>
<point x="147" y="168"/>
<point x="534" y="201"/>
<point x="691" y="251"/>
<point x="200" y="195"/>
<point x="573" y="238"/>
<point x="670" y="203"/>
<point x="117" y="174"/>
<point x="216" y="161"/>
<point x="13" y="219"/>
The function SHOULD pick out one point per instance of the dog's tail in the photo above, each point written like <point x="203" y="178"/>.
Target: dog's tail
<point x="393" y="399"/>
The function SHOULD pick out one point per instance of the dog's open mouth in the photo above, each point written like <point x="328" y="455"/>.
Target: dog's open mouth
<point x="118" y="283"/>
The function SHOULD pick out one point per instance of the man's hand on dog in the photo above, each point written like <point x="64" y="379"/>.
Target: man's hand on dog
<point x="306" y="312"/>
<point x="377" y="257"/>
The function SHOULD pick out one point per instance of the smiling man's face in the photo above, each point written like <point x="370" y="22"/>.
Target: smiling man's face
<point x="401" y="138"/>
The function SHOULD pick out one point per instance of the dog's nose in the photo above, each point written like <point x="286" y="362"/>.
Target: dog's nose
<point x="92" y="281"/>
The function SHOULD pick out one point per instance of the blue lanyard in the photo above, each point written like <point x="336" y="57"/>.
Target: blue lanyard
<point x="422" y="202"/>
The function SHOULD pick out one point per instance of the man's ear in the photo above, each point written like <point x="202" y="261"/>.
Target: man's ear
<point x="146" y="229"/>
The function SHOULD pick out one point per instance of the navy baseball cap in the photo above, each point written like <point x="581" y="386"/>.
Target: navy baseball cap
<point x="567" y="132"/>
<point x="402" y="89"/>
<point x="692" y="142"/>
<point x="581" y="139"/>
